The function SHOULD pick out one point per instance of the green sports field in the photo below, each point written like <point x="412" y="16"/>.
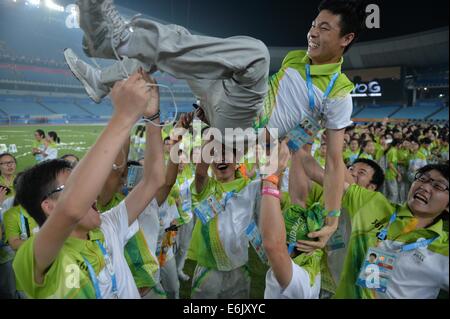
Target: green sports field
<point x="77" y="140"/>
<point x="74" y="140"/>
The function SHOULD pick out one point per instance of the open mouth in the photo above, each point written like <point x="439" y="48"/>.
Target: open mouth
<point x="421" y="198"/>
<point x="221" y="166"/>
<point x="313" y="45"/>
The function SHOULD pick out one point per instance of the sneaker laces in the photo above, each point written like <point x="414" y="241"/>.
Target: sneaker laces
<point x="118" y="26"/>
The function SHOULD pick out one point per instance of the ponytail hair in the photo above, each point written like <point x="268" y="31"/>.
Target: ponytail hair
<point x="54" y="136"/>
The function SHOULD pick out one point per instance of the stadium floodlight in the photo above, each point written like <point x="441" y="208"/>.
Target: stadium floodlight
<point x="53" y="6"/>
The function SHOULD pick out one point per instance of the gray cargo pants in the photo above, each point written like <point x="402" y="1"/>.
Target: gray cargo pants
<point x="229" y="76"/>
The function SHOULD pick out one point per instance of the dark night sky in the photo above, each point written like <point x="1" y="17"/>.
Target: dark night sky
<point x="285" y="22"/>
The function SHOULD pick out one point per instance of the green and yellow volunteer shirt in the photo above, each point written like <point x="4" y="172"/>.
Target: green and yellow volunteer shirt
<point x="182" y="191"/>
<point x="403" y="157"/>
<point x="68" y="276"/>
<point x="205" y="238"/>
<point x="331" y="262"/>
<point x="391" y="158"/>
<point x="14" y="227"/>
<point x="137" y="253"/>
<point x="10" y="185"/>
<point x="287" y="100"/>
<point x="379" y="151"/>
<point x="425" y="152"/>
<point x="350" y="157"/>
<point x="413" y="277"/>
<point x="39" y="145"/>
<point x="58" y="281"/>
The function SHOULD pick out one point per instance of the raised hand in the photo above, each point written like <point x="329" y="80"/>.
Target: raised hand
<point x="131" y="98"/>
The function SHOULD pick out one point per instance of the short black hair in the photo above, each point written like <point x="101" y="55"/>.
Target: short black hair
<point x="373" y="255"/>
<point x="425" y="141"/>
<point x="35" y="183"/>
<point x="378" y="175"/>
<point x="40" y="132"/>
<point x="8" y="154"/>
<point x="352" y="13"/>
<point x="441" y="168"/>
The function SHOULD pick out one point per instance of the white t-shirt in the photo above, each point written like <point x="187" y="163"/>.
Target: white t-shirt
<point x="115" y="228"/>
<point x="292" y="104"/>
<point x="298" y="288"/>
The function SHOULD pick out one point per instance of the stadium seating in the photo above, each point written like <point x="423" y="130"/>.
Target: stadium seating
<point x="377" y="111"/>
<point x="415" y="113"/>
<point x="23" y="107"/>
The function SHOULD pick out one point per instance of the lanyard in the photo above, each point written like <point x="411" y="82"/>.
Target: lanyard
<point x="110" y="269"/>
<point x="228" y="196"/>
<point x="309" y="84"/>
<point x="23" y="227"/>
<point x="382" y="235"/>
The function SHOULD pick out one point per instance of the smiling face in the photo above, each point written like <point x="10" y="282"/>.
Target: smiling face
<point x="325" y="43"/>
<point x="362" y="175"/>
<point x="427" y="201"/>
<point x="223" y="169"/>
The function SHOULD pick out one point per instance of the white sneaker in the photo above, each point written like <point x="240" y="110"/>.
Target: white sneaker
<point x="87" y="75"/>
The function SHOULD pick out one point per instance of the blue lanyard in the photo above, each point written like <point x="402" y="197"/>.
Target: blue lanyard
<point x="110" y="269"/>
<point x="23" y="227"/>
<point x="228" y="196"/>
<point x="382" y="235"/>
<point x="309" y="84"/>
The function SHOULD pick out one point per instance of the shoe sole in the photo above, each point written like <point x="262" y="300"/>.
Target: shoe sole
<point x="89" y="90"/>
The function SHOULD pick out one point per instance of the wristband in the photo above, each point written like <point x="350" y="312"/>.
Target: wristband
<point x="334" y="213"/>
<point x="151" y="118"/>
<point x="271" y="192"/>
<point x="272" y="179"/>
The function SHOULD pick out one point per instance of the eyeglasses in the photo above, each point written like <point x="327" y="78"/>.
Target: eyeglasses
<point x="437" y="185"/>
<point x="56" y="190"/>
<point x="8" y="163"/>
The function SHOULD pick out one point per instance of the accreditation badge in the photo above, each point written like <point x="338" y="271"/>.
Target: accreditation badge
<point x="377" y="269"/>
<point x="303" y="134"/>
<point x="254" y="236"/>
<point x="208" y="209"/>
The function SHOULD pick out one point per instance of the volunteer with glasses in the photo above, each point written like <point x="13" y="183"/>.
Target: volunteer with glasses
<point x="77" y="252"/>
<point x="7" y="175"/>
<point x="409" y="240"/>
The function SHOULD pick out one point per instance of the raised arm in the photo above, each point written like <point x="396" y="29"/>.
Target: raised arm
<point x="115" y="177"/>
<point x="130" y="99"/>
<point x="154" y="176"/>
<point x="273" y="229"/>
<point x="299" y="181"/>
<point x="172" y="167"/>
<point x="333" y="184"/>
